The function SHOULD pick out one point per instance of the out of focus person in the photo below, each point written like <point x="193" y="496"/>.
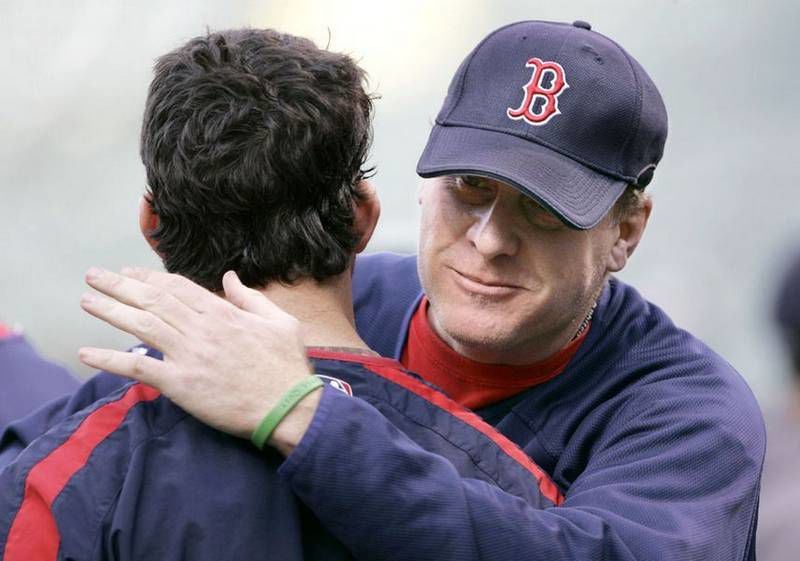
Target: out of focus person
<point x="26" y="379"/>
<point x="778" y="538"/>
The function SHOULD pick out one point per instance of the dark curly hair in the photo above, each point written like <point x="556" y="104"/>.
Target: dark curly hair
<point x="253" y="142"/>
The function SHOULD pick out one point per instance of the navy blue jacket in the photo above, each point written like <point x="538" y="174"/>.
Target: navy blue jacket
<point x="655" y="442"/>
<point x="134" y="477"/>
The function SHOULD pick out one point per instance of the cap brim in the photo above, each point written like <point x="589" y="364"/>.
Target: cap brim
<point x="580" y="196"/>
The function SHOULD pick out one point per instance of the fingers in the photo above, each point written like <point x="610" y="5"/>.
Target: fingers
<point x="145" y="369"/>
<point x="140" y="295"/>
<point x="248" y="299"/>
<point x="191" y="294"/>
<point x="140" y="323"/>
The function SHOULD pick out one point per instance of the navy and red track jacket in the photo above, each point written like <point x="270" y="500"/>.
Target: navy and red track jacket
<point x="655" y="442"/>
<point x="134" y="477"/>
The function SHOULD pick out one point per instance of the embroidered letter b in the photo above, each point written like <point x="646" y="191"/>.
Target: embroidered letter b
<point x="540" y="103"/>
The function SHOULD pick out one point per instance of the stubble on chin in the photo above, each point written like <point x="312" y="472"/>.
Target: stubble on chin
<point x="475" y="337"/>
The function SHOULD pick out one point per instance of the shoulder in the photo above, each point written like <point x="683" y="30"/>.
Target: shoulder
<point x="96" y="391"/>
<point x="170" y="505"/>
<point x="409" y="406"/>
<point x="386" y="289"/>
<point x="660" y="367"/>
<point x="61" y="487"/>
<point x="641" y="335"/>
<point x="380" y="269"/>
<point x="135" y="470"/>
<point x="48" y="412"/>
<point x="636" y="368"/>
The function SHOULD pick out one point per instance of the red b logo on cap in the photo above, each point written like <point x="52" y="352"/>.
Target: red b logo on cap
<point x="540" y="103"/>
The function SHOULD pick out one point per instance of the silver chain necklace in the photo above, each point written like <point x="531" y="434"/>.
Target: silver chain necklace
<point x="585" y="323"/>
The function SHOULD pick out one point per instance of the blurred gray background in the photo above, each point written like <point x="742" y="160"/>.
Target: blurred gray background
<point x="74" y="77"/>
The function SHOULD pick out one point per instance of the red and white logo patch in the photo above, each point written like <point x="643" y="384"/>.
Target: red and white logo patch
<point x="337" y="384"/>
<point x="540" y="103"/>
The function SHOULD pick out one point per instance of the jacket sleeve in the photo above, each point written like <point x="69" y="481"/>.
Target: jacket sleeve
<point x="649" y="492"/>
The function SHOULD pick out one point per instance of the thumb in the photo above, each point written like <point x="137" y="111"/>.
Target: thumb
<point x="248" y="299"/>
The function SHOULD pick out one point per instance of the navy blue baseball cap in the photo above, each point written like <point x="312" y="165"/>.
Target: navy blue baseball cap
<point x="556" y="110"/>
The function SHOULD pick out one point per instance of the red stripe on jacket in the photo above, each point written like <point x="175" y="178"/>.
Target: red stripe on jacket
<point x="394" y="372"/>
<point x="34" y="533"/>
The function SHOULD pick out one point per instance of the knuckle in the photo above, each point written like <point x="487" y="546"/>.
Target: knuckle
<point x="229" y="315"/>
<point x="207" y="332"/>
<point x="152" y="297"/>
<point x="138" y="366"/>
<point x="104" y="304"/>
<point x="104" y="358"/>
<point x="142" y="273"/>
<point x="146" y="323"/>
<point x="178" y="282"/>
<point x="113" y="281"/>
<point x="133" y="272"/>
<point x="173" y="282"/>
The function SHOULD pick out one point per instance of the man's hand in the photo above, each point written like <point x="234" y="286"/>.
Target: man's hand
<point x="225" y="362"/>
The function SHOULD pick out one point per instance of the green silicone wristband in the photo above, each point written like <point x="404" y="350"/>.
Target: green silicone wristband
<point x="288" y="402"/>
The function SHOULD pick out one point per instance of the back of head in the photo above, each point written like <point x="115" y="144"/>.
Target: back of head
<point x="253" y="142"/>
<point x="787" y="310"/>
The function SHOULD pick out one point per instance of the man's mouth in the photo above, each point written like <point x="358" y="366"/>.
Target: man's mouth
<point x="484" y="285"/>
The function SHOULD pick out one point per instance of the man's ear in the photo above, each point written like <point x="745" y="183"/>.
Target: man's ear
<point x="629" y="233"/>
<point x="148" y="221"/>
<point x="367" y="211"/>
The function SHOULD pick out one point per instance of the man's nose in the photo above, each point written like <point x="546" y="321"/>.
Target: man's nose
<point x="493" y="231"/>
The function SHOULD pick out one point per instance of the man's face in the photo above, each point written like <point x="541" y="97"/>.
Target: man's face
<point x="508" y="282"/>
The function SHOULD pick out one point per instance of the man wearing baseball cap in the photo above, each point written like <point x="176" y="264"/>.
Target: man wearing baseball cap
<point x="533" y="197"/>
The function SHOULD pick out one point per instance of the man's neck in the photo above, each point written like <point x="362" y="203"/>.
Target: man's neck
<point x="324" y="309"/>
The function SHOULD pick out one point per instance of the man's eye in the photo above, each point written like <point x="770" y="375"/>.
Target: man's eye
<point x="540" y="217"/>
<point x="473" y="190"/>
<point x="474" y="181"/>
